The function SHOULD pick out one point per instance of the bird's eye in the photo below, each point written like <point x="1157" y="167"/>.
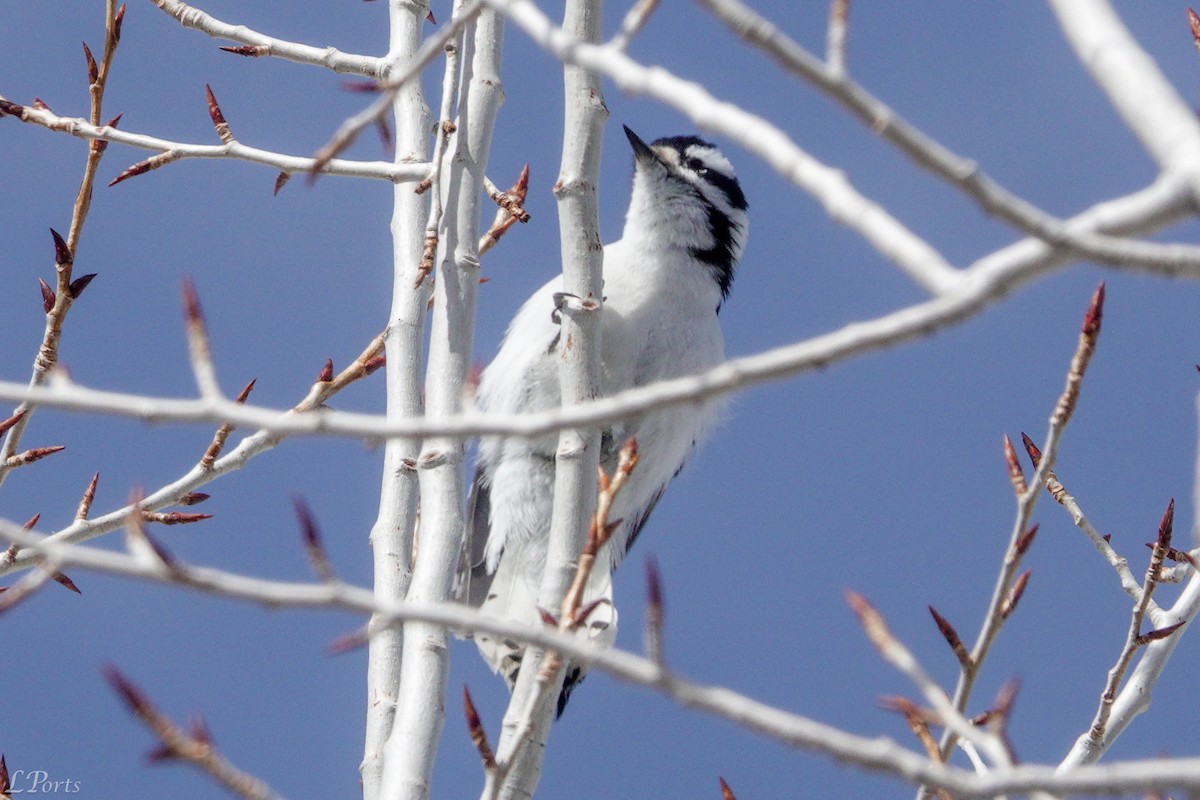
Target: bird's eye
<point x="695" y="165"/>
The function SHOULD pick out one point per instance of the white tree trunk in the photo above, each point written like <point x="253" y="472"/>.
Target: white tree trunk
<point x="412" y="744"/>
<point x="392" y="533"/>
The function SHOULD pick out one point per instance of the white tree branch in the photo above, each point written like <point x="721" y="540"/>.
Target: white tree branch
<point x="1166" y="125"/>
<point x="1135" y="696"/>
<point x="531" y="708"/>
<point x="396" y="78"/>
<point x="987" y="281"/>
<point x="395" y="524"/>
<point x="328" y="57"/>
<point x="962" y="173"/>
<point x="235" y="150"/>
<point x="877" y="754"/>
<point x="412" y="744"/>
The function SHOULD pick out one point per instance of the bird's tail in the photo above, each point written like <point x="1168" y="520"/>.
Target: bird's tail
<point x="511" y="596"/>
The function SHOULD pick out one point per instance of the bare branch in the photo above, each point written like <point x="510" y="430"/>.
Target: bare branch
<point x="899" y="656"/>
<point x="396" y="80"/>
<point x="61" y="299"/>
<point x="194" y="746"/>
<point x="958" y="171"/>
<point x="791" y="729"/>
<point x="170" y="151"/>
<point x="262" y="45"/>
<point x="835" y="38"/>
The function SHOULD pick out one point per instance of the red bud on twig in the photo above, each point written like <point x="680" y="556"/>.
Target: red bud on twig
<point x="726" y="792"/>
<point x="361" y="87"/>
<point x="79" y="284"/>
<point x="1166" y="525"/>
<point x="193" y="498"/>
<point x="1035" y="455"/>
<point x="312" y="540"/>
<point x="1027" y="539"/>
<point x="218" y="119"/>
<point x="244" y="394"/>
<point x="199" y="731"/>
<point x="161" y="754"/>
<point x="1095" y="313"/>
<point x="30" y="456"/>
<point x="281" y="179"/>
<point x="174" y="517"/>
<point x="89" y="496"/>
<point x="348" y="642"/>
<point x="8" y="423"/>
<point x="654" y="611"/>
<point x="131" y="694"/>
<point x="93" y="71"/>
<point x="952" y="638"/>
<point x="63" y="580"/>
<point x="1014" y="594"/>
<point x="477" y="732"/>
<point x="326" y="373"/>
<point x="48" y="296"/>
<point x="1015" y="475"/>
<point x="62" y="253"/>
<point x="214" y="110"/>
<point x="148" y="165"/>
<point x="373" y="363"/>
<point x="118" y="21"/>
<point x="385" y="134"/>
<point x="191" y="302"/>
<point x="249" y="50"/>
<point x="1158" y="633"/>
<point x="581" y="616"/>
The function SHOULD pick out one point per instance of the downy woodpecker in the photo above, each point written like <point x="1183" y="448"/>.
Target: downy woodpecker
<point x="664" y="282"/>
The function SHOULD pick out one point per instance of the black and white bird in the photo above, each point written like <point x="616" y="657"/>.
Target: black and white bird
<point x="664" y="282"/>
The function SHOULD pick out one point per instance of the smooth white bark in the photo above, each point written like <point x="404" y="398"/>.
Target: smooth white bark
<point x="412" y="745"/>
<point x="392" y="533"/>
<point x="531" y="709"/>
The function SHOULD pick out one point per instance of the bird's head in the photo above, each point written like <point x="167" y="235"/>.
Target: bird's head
<point x="685" y="193"/>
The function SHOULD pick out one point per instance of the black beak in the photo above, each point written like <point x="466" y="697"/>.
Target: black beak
<point x="641" y="150"/>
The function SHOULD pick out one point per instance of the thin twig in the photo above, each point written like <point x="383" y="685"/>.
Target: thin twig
<point x="1007" y="588"/>
<point x="192" y="746"/>
<point x="211" y="466"/>
<point x="900" y="657"/>
<point x="835" y="40"/>
<point x="349" y="130"/>
<point x="511" y="209"/>
<point x="1134" y="639"/>
<point x="66" y="288"/>
<point x="169" y="151"/>
<point x="573" y="614"/>
<point x="791" y="729"/>
<point x="327" y="57"/>
<point x="635" y="19"/>
<point x="960" y="172"/>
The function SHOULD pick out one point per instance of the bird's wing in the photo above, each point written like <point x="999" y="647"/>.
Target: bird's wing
<point x="473" y="575"/>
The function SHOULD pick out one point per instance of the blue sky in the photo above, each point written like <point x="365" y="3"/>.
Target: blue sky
<point x="883" y="474"/>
